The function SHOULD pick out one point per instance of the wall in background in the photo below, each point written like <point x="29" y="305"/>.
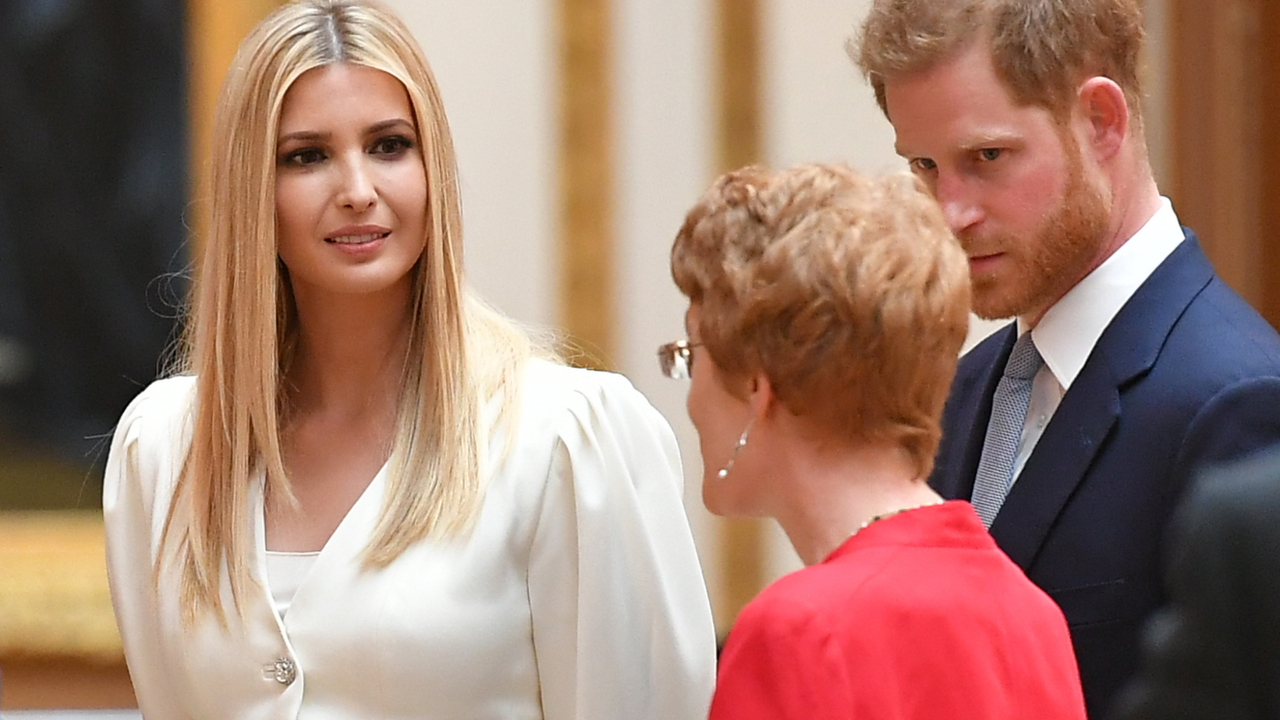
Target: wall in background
<point x="498" y="65"/>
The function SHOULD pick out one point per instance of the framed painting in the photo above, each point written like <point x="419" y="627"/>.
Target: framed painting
<point x="93" y="191"/>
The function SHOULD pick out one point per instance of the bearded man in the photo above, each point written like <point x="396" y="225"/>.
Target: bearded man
<point x="1130" y="365"/>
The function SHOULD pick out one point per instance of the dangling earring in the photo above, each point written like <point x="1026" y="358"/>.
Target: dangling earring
<point x="742" y="441"/>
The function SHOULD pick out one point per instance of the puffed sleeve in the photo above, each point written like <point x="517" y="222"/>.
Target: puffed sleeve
<point x="132" y="520"/>
<point x="621" y="621"/>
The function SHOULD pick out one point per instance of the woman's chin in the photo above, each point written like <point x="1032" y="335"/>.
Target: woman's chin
<point x="712" y="496"/>
<point x="721" y="498"/>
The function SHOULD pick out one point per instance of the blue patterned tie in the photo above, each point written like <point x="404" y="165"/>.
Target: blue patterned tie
<point x="1008" y="413"/>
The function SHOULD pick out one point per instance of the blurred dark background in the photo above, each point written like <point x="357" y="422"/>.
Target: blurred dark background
<point x="93" y="187"/>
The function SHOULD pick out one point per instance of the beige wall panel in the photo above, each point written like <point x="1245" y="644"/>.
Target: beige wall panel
<point x="664" y="135"/>
<point x="496" y="66"/>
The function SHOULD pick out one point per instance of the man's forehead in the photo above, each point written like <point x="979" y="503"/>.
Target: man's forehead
<point x="957" y="107"/>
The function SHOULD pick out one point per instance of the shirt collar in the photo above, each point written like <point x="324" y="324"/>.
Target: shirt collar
<point x="1065" y="336"/>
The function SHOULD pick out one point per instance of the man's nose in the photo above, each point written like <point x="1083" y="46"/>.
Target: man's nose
<point x="959" y="206"/>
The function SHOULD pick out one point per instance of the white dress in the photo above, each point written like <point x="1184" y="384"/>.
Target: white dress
<point x="577" y="595"/>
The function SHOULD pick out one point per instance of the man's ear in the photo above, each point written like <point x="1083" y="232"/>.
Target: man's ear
<point x="1106" y="110"/>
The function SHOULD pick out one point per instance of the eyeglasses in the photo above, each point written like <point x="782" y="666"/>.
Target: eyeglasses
<point x="676" y="359"/>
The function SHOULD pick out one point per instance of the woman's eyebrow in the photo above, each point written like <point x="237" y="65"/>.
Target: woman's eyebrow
<point x="312" y="135"/>
<point x="388" y="124"/>
<point x="304" y="135"/>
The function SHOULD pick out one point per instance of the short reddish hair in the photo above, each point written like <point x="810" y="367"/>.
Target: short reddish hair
<point x="1042" y="49"/>
<point x="851" y="295"/>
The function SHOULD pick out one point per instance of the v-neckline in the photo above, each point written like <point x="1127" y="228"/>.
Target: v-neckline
<point x="362" y="514"/>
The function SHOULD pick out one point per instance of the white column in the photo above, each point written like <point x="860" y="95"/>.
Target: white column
<point x="817" y="106"/>
<point x="664" y="108"/>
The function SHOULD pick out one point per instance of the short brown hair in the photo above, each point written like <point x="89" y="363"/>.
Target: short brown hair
<point x="1042" y="49"/>
<point x="851" y="295"/>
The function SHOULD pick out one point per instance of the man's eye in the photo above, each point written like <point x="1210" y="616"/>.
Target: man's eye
<point x="989" y="154"/>
<point x="923" y="164"/>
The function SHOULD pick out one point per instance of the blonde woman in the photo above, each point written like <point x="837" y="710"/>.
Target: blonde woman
<point x="365" y="495"/>
<point x="826" y="313"/>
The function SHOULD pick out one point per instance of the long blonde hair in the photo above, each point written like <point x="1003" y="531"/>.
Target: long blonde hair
<point x="242" y="319"/>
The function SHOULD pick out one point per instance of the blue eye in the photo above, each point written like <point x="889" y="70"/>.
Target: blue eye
<point x="923" y="164"/>
<point x="990" y="154"/>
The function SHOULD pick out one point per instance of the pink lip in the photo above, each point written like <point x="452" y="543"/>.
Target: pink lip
<point x="983" y="262"/>
<point x="359" y="230"/>
<point x="372" y="238"/>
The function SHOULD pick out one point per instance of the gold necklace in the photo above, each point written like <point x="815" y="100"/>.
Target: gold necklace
<point x="891" y="513"/>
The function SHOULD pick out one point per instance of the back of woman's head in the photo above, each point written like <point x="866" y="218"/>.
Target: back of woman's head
<point x="850" y="294"/>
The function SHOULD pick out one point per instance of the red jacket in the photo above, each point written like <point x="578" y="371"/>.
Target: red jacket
<point x="917" y="617"/>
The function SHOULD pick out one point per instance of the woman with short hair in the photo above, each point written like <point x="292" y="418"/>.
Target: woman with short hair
<point x="826" y="315"/>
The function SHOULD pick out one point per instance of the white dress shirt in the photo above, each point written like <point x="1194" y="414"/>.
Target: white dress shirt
<point x="577" y="596"/>
<point x="1067" y="333"/>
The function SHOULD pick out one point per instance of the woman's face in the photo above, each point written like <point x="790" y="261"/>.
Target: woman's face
<point x="719" y="418"/>
<point x="351" y="191"/>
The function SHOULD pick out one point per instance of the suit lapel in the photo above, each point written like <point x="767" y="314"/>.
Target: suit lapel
<point x="1064" y="453"/>
<point x="1125" y="352"/>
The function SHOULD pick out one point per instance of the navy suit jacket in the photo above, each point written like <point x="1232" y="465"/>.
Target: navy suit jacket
<point x="1186" y="375"/>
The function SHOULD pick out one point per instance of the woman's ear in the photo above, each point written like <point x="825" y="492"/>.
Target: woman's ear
<point x="760" y="397"/>
<point x="1106" y="110"/>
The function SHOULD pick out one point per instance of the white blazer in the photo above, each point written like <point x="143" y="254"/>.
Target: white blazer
<point x="577" y="595"/>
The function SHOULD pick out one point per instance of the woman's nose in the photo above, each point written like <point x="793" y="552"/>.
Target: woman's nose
<point x="357" y="191"/>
